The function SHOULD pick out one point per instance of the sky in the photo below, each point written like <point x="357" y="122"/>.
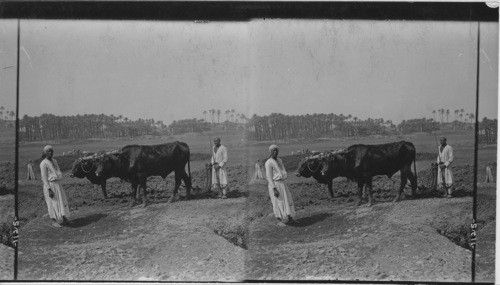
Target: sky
<point x="396" y="70"/>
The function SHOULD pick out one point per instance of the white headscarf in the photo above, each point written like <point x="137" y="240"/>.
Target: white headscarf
<point x="47" y="147"/>
<point x="271" y="147"/>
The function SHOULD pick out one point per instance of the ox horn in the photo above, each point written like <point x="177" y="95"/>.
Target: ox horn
<point x="337" y="151"/>
<point x="115" y="151"/>
<point x="314" y="157"/>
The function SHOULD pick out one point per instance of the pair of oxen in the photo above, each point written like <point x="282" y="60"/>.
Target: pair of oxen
<point x="134" y="164"/>
<point x="360" y="163"/>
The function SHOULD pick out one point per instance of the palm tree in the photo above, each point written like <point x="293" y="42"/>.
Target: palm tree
<point x="456" y="114"/>
<point x="205" y="115"/>
<point x="461" y="113"/>
<point x="434" y="114"/>
<point x="447" y="115"/>
<point x="471" y="117"/>
<point x="218" y="116"/>
<point x="442" y="112"/>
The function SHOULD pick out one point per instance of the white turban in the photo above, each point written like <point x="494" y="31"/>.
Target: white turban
<point x="47" y="147"/>
<point x="273" y="146"/>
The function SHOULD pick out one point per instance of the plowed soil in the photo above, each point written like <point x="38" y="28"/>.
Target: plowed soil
<point x="7" y="178"/>
<point x="211" y="239"/>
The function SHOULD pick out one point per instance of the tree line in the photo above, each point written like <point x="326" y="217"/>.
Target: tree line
<point x="488" y="131"/>
<point x="231" y="116"/>
<point x="52" y="127"/>
<point x="7" y="118"/>
<point x="273" y="127"/>
<point x="284" y="127"/>
<point x="460" y="115"/>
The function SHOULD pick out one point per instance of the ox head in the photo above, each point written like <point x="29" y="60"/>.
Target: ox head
<point x="82" y="167"/>
<point x="333" y="163"/>
<point x="104" y="163"/>
<point x="310" y="166"/>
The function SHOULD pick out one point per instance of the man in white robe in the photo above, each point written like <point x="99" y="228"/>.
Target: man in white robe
<point x="219" y="173"/>
<point x="55" y="197"/>
<point x="444" y="160"/>
<point x="31" y="172"/>
<point x="257" y="175"/>
<point x="281" y="198"/>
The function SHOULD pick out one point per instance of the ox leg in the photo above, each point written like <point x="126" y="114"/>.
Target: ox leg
<point x="369" y="189"/>
<point x="103" y="188"/>
<point x="363" y="194"/>
<point x="145" y="194"/>
<point x="134" y="193"/>
<point x="413" y="181"/>
<point x="360" y="193"/>
<point x="176" y="187"/>
<point x="330" y="189"/>
<point x="404" y="180"/>
<point x="187" y="182"/>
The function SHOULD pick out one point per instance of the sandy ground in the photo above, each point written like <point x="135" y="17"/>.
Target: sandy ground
<point x="210" y="239"/>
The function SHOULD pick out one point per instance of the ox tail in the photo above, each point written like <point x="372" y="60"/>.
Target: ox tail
<point x="189" y="168"/>
<point x="415" y="167"/>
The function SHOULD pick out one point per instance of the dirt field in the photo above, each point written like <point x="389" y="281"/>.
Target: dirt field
<point x="209" y="239"/>
<point x="7" y="182"/>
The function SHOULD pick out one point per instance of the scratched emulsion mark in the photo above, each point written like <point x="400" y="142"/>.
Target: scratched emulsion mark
<point x="487" y="59"/>
<point x="27" y="55"/>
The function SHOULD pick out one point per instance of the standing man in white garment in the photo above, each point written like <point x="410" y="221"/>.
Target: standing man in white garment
<point x="55" y="197"/>
<point x="219" y="173"/>
<point x="444" y="160"/>
<point x="281" y="198"/>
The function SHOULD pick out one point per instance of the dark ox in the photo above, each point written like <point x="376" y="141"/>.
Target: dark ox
<point x="360" y="163"/>
<point x="85" y="168"/>
<point x="311" y="167"/>
<point x="135" y="163"/>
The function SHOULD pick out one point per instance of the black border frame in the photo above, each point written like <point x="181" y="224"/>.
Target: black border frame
<point x="243" y="11"/>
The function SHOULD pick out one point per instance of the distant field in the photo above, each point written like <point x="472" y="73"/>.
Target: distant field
<point x="7" y="145"/>
<point x="246" y="152"/>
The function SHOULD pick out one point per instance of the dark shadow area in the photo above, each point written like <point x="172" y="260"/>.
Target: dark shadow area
<point x="307" y="221"/>
<point x="84" y="221"/>
<point x="214" y="194"/>
<point x="236" y="236"/>
<point x="236" y="193"/>
<point x="120" y="195"/>
<point x="6" y="191"/>
<point x="461" y="193"/>
<point x="459" y="235"/>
